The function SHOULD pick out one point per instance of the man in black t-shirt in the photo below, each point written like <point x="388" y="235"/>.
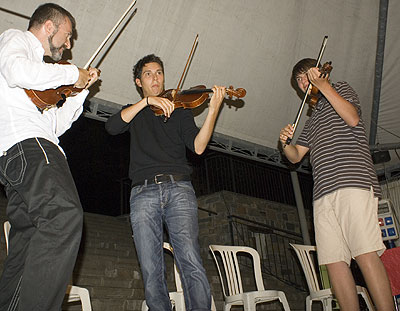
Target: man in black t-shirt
<point x="162" y="193"/>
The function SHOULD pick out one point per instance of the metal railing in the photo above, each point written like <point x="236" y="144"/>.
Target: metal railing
<point x="276" y="256"/>
<point x="215" y="172"/>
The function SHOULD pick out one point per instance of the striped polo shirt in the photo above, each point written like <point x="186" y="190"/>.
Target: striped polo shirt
<point x="339" y="153"/>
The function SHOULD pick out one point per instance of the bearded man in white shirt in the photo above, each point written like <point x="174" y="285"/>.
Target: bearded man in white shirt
<point x="43" y="204"/>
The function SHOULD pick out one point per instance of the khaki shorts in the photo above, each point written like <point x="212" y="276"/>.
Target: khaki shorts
<point x="346" y="225"/>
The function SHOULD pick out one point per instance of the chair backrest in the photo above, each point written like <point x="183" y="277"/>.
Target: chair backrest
<point x="231" y="276"/>
<point x="309" y="264"/>
<point x="74" y="293"/>
<point x="178" y="282"/>
<point x="7" y="227"/>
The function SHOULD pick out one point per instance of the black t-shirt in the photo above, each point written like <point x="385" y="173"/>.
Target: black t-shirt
<point x="157" y="147"/>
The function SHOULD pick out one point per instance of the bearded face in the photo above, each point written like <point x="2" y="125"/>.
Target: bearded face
<point x="60" y="39"/>
<point x="56" y="51"/>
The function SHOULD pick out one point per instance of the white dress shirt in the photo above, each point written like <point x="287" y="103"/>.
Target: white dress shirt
<point x="22" y="67"/>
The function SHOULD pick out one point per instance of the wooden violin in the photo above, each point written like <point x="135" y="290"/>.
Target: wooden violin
<point x="315" y="94"/>
<point x="56" y="97"/>
<point x="52" y="97"/>
<point x="194" y="97"/>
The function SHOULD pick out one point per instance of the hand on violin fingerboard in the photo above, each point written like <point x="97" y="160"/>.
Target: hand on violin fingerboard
<point x="217" y="97"/>
<point x="317" y="79"/>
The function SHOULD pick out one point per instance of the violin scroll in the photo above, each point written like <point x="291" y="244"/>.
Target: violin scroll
<point x="238" y="93"/>
<point x="326" y="69"/>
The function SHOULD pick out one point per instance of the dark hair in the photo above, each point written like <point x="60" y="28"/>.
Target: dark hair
<point x="303" y="66"/>
<point x="50" y="11"/>
<point x="138" y="68"/>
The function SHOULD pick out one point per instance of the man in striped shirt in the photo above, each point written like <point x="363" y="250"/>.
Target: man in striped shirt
<point x="346" y="189"/>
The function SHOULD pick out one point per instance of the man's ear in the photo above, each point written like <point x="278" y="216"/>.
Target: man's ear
<point x="49" y="27"/>
<point x="138" y="82"/>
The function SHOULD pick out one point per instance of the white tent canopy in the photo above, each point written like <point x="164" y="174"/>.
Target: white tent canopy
<point x="250" y="44"/>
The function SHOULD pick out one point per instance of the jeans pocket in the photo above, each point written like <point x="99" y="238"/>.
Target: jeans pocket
<point x="136" y="190"/>
<point x="13" y="165"/>
<point x="186" y="185"/>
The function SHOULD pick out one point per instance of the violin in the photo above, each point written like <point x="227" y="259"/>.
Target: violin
<point x="50" y="98"/>
<point x="193" y="97"/>
<point x="315" y="94"/>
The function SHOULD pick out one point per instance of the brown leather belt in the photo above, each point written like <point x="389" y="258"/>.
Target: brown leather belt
<point x="162" y="178"/>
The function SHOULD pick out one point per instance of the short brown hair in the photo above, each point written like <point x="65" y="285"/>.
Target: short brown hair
<point x="303" y="66"/>
<point x="50" y="11"/>
<point x="151" y="58"/>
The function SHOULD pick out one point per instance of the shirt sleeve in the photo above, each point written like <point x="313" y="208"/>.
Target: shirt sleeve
<point x="69" y="112"/>
<point x="347" y="92"/>
<point x="115" y="125"/>
<point x="189" y="130"/>
<point x="302" y="140"/>
<point x="19" y="67"/>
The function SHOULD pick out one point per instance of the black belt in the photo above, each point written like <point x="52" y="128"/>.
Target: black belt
<point x="162" y="178"/>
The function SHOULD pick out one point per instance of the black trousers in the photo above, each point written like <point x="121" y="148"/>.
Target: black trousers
<point x="46" y="226"/>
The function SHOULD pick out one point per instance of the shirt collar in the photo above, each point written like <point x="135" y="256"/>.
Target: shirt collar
<point x="36" y="44"/>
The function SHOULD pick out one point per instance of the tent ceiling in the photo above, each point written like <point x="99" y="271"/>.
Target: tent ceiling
<point x="246" y="44"/>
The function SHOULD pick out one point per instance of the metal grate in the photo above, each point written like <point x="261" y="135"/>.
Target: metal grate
<point x="218" y="171"/>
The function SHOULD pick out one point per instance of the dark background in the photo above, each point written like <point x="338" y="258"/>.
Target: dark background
<point x="99" y="163"/>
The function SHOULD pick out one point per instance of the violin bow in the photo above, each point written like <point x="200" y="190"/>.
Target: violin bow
<point x="186" y="66"/>
<point x="184" y="72"/>
<point x="110" y="34"/>
<point x="296" y="121"/>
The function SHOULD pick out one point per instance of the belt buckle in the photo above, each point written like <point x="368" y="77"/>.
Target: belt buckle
<point x="155" y="179"/>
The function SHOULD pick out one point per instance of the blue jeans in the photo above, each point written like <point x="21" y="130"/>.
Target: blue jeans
<point x="173" y="204"/>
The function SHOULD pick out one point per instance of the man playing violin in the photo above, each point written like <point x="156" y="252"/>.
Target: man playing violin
<point x="162" y="193"/>
<point x="346" y="188"/>
<point x="43" y="204"/>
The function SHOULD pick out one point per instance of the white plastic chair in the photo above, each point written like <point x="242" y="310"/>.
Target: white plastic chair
<point x="177" y="298"/>
<point x="233" y="280"/>
<point x="73" y="293"/>
<point x="317" y="293"/>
